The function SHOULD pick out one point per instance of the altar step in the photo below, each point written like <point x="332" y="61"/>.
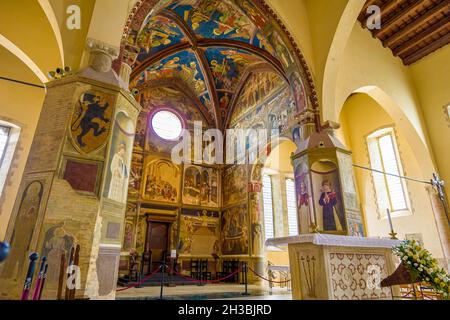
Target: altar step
<point x="156" y="279"/>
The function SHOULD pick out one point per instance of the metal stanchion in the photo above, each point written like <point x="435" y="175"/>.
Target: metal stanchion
<point x="162" y="280"/>
<point x="246" y="279"/>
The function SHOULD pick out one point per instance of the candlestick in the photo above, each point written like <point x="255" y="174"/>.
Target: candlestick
<point x="392" y="234"/>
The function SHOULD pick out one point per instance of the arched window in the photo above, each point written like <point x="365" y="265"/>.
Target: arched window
<point x="9" y="136"/>
<point x="268" y="207"/>
<point x="167" y="125"/>
<point x="390" y="190"/>
<point x="291" y="207"/>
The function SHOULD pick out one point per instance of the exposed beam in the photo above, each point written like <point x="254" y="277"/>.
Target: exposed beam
<point x="433" y="46"/>
<point x="434" y="29"/>
<point x="430" y="14"/>
<point x="391" y="4"/>
<point x="385" y="25"/>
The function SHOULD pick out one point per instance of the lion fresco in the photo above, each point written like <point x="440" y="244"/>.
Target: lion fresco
<point x="92" y="116"/>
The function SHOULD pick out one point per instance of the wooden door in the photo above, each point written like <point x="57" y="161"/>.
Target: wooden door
<point x="158" y="239"/>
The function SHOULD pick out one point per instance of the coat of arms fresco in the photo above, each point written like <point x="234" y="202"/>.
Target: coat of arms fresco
<point x="91" y="121"/>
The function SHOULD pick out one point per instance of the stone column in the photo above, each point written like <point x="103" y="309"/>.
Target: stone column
<point x="257" y="262"/>
<point x="74" y="187"/>
<point x="441" y="223"/>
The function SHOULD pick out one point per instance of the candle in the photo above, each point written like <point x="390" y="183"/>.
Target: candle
<point x="390" y="220"/>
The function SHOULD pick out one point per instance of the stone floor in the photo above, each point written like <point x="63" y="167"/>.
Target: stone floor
<point x="208" y="292"/>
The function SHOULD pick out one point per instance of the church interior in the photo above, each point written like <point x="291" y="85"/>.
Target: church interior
<point x="99" y="99"/>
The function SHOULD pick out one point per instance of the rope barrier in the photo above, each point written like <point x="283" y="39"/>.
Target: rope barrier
<point x="206" y="281"/>
<point x="142" y="281"/>
<point x="268" y="280"/>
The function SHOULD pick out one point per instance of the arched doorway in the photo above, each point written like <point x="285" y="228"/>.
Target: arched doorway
<point x="189" y="58"/>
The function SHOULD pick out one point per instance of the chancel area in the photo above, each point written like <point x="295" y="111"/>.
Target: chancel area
<point x="293" y="148"/>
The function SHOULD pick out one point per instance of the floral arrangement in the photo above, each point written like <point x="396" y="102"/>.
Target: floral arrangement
<point x="423" y="267"/>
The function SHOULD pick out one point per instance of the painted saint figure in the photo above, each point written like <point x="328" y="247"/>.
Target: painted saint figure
<point x="328" y="201"/>
<point x="119" y="175"/>
<point x="303" y="207"/>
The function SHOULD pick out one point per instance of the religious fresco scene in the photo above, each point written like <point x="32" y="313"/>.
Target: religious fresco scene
<point x="204" y="155"/>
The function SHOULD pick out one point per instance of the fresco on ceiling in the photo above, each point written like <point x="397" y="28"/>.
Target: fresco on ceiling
<point x="201" y="186"/>
<point x="158" y="33"/>
<point x="183" y="65"/>
<point x="228" y="64"/>
<point x="161" y="181"/>
<point x="199" y="232"/>
<point x="257" y="88"/>
<point x="234" y="184"/>
<point x="215" y="19"/>
<point x="224" y="99"/>
<point x="270" y="36"/>
<point x="234" y="230"/>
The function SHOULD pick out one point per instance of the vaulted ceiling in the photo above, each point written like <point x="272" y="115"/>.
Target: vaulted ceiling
<point x="213" y="46"/>
<point x="412" y="29"/>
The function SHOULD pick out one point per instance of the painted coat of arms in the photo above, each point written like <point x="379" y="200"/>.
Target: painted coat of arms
<point x="91" y="121"/>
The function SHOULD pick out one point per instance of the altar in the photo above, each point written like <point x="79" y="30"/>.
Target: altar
<point x="334" y="267"/>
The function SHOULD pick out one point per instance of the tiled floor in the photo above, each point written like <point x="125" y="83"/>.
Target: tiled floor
<point x="216" y="291"/>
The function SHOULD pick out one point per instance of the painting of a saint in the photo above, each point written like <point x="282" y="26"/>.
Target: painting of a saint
<point x="118" y="172"/>
<point x="303" y="205"/>
<point x="128" y="234"/>
<point x="299" y="93"/>
<point x="135" y="180"/>
<point x="24" y="227"/>
<point x="57" y="242"/>
<point x="119" y="175"/>
<point x="330" y="215"/>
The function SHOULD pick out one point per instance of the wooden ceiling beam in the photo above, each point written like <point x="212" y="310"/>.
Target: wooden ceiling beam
<point x="433" y="46"/>
<point x="363" y="12"/>
<point x="430" y="14"/>
<point x="389" y="6"/>
<point x="434" y="29"/>
<point x="385" y="25"/>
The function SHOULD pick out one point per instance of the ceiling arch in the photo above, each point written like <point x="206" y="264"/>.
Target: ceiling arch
<point x="209" y="44"/>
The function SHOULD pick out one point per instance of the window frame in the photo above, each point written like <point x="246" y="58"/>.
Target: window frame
<point x="265" y="174"/>
<point x="295" y="206"/>
<point x="2" y="156"/>
<point x="374" y="137"/>
<point x="176" y="113"/>
<point x="9" y="153"/>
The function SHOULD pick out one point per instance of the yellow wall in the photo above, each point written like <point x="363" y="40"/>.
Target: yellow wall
<point x="431" y="76"/>
<point x="361" y="115"/>
<point x="20" y="105"/>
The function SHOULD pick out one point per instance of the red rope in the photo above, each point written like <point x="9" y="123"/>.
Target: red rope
<point x="268" y="280"/>
<point x="141" y="282"/>
<point x="205" y="281"/>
